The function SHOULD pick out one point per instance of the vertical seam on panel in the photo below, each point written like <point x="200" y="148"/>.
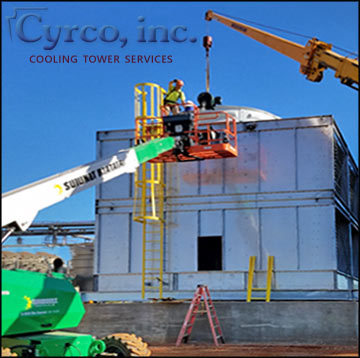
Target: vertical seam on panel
<point x="97" y="215"/>
<point x="130" y="241"/>
<point x="199" y="178"/>
<point x="223" y="175"/>
<point x="197" y="241"/>
<point x="297" y="238"/>
<point x="223" y="240"/>
<point x="259" y="162"/>
<point x="165" y="256"/>
<point x="296" y="160"/>
<point x="351" y="252"/>
<point x="260" y="240"/>
<point x="97" y="243"/>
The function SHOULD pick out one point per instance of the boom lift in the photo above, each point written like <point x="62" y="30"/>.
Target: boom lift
<point x="314" y="57"/>
<point x="36" y="305"/>
<point x="201" y="133"/>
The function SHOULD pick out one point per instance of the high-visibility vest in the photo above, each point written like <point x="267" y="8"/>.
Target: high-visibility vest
<point x="173" y="95"/>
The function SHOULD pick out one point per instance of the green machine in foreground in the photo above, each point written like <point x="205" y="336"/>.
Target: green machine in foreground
<point x="38" y="307"/>
<point x="35" y="306"/>
<point x="34" y="302"/>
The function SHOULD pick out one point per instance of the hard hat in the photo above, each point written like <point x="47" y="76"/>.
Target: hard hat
<point x="179" y="82"/>
<point x="189" y="106"/>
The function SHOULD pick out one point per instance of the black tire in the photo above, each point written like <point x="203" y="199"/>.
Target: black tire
<point x="125" y="345"/>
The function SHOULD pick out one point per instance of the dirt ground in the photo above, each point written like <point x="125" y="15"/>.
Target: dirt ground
<point x="233" y="350"/>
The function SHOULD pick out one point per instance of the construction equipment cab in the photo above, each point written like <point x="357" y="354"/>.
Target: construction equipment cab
<point x="314" y="57"/>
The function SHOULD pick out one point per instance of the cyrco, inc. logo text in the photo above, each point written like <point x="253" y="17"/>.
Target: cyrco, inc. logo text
<point x="30" y="27"/>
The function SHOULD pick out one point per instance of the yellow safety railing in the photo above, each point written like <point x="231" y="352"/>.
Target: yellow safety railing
<point x="148" y="102"/>
<point x="149" y="188"/>
<point x="250" y="288"/>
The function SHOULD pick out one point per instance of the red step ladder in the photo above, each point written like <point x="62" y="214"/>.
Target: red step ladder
<point x="202" y="291"/>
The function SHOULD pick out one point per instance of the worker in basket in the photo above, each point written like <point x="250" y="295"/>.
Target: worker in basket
<point x="173" y="95"/>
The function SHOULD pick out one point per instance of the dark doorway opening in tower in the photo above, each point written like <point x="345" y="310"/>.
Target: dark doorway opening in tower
<point x="209" y="253"/>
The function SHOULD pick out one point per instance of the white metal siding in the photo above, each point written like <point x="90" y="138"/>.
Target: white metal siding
<point x="211" y="176"/>
<point x="182" y="231"/>
<point x="242" y="173"/>
<point x="279" y="238"/>
<point x="136" y="247"/>
<point x="277" y="162"/>
<point x="182" y="179"/>
<point x="211" y="223"/>
<point x="276" y="198"/>
<point x="114" y="243"/>
<point x="242" y="238"/>
<point x="315" y="163"/>
<point x="317" y="238"/>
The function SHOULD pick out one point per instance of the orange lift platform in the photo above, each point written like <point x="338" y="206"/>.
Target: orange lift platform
<point x="199" y="134"/>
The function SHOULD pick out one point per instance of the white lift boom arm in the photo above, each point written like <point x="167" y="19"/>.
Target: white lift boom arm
<point x="20" y="206"/>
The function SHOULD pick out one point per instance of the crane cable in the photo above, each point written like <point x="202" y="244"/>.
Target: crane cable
<point x="207" y="57"/>
<point x="207" y="71"/>
<point x="285" y="31"/>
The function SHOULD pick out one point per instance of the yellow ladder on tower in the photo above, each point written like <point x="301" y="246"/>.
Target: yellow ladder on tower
<point x="270" y="266"/>
<point x="149" y="189"/>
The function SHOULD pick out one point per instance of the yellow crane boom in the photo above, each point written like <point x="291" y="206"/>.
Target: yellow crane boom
<point x="314" y="57"/>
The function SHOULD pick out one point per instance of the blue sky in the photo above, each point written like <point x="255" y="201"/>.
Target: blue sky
<point x="51" y="112"/>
